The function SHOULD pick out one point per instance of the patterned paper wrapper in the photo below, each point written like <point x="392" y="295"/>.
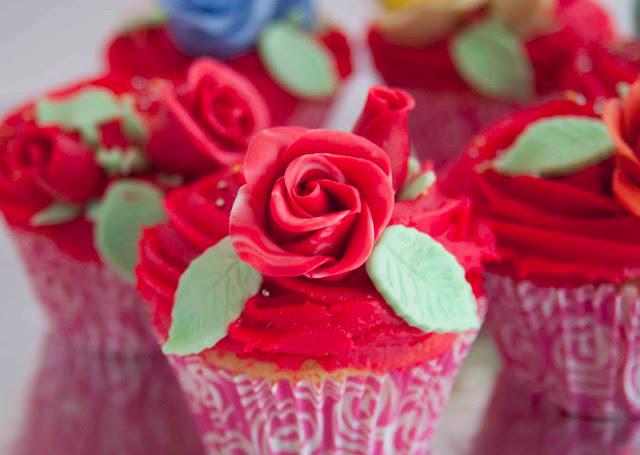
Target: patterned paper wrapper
<point x="576" y="347"/>
<point x="372" y="414"/>
<point x="86" y="302"/>
<point x="444" y="122"/>
<point x="517" y="423"/>
<point x="83" y="404"/>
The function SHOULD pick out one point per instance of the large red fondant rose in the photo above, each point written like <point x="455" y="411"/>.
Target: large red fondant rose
<point x="623" y="121"/>
<point x="207" y="122"/>
<point x="54" y="163"/>
<point x="314" y="204"/>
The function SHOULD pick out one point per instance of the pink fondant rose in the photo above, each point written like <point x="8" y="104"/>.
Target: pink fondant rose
<point x="314" y="204"/>
<point x="207" y="122"/>
<point x="56" y="163"/>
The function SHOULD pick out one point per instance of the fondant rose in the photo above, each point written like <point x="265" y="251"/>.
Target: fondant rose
<point x="228" y="28"/>
<point x="314" y="204"/>
<point x="58" y="164"/>
<point x="207" y="122"/>
<point x="623" y="121"/>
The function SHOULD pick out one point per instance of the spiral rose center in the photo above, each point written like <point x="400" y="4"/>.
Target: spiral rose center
<point x="227" y="115"/>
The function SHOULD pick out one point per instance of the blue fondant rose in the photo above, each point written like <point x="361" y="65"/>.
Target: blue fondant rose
<point x="227" y="28"/>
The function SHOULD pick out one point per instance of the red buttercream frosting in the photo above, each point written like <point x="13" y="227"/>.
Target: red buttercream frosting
<point x="578" y="23"/>
<point x="43" y="165"/>
<point x="558" y="231"/>
<point x="338" y="323"/>
<point x="150" y="53"/>
<point x="207" y="121"/>
<point x="622" y="118"/>
<point x="597" y="70"/>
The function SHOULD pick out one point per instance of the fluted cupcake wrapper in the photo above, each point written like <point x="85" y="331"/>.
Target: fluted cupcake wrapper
<point x="85" y="302"/>
<point x="444" y="122"/>
<point x="83" y="404"/>
<point x="370" y="414"/>
<point x="577" y="347"/>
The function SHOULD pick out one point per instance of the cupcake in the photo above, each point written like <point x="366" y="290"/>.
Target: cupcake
<point x="349" y="291"/>
<point x="563" y="295"/>
<point x="80" y="404"/>
<point x="469" y="63"/>
<point x="83" y="169"/>
<point x="277" y="44"/>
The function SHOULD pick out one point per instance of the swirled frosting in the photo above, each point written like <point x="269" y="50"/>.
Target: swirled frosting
<point x="337" y="324"/>
<point x="559" y="230"/>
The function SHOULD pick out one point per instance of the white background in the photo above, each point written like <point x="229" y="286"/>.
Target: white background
<point x="47" y="42"/>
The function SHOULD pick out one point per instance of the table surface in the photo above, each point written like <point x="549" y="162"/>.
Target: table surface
<point x="44" y="43"/>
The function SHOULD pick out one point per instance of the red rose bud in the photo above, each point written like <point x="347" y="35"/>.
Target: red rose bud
<point x="385" y="122"/>
<point x="60" y="165"/>
<point x="314" y="204"/>
<point x="622" y="118"/>
<point x="208" y="122"/>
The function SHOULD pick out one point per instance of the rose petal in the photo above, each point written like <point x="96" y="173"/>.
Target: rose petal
<point x="337" y="143"/>
<point x="281" y="215"/>
<point x="356" y="253"/>
<point x="255" y="246"/>
<point x="373" y="185"/>
<point x="328" y="241"/>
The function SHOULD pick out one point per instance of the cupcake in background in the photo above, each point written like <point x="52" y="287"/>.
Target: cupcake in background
<point x="325" y="295"/>
<point x="83" y="169"/>
<point x="297" y="66"/>
<point x="468" y="63"/>
<point x="79" y="404"/>
<point x="563" y="295"/>
<point x="600" y="72"/>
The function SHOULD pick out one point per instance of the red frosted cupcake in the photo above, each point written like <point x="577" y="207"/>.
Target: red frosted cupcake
<point x="84" y="168"/>
<point x="563" y="296"/>
<point x="469" y="63"/>
<point x="325" y="296"/>
<point x="274" y="43"/>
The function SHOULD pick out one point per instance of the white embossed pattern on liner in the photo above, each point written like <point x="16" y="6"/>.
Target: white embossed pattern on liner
<point x="373" y="414"/>
<point x="86" y="302"/>
<point x="578" y="348"/>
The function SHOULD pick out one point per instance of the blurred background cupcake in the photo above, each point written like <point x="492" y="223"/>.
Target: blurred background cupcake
<point x="564" y="304"/>
<point x="297" y="64"/>
<point x="468" y="63"/>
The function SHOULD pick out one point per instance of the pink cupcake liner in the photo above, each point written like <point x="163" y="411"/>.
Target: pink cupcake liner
<point x="80" y="404"/>
<point x="392" y="413"/>
<point x="444" y="122"/>
<point x="85" y="302"/>
<point x="518" y="423"/>
<point x="577" y="347"/>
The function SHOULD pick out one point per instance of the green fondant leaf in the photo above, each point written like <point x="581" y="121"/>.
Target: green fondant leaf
<point x="301" y="65"/>
<point x="413" y="167"/>
<point x="93" y="210"/>
<point x="622" y="88"/>
<point x="211" y="294"/>
<point x="152" y="18"/>
<point x="127" y="207"/>
<point x="132" y="122"/>
<point x="83" y="112"/>
<point x="56" y="213"/>
<point x="417" y="186"/>
<point x="116" y="161"/>
<point x="422" y="282"/>
<point x="556" y="146"/>
<point x="170" y="180"/>
<point x="491" y="58"/>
